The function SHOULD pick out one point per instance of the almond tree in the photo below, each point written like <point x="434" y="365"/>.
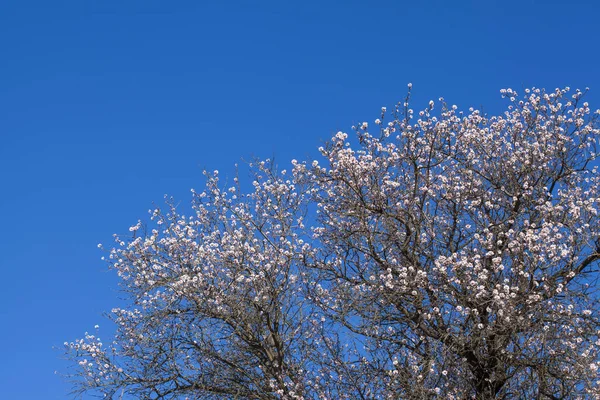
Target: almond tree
<point x="449" y="255"/>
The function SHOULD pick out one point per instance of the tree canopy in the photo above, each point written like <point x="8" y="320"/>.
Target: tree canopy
<point x="435" y="254"/>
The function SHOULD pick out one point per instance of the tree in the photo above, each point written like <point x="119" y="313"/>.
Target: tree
<point x="447" y="255"/>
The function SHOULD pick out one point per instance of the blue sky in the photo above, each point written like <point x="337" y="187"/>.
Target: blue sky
<point x="107" y="105"/>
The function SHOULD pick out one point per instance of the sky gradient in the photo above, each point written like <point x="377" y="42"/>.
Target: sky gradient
<point x="105" y="106"/>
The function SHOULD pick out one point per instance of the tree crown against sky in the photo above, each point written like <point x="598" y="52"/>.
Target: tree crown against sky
<point x="440" y="253"/>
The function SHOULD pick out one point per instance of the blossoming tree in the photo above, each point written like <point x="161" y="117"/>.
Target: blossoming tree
<point x="440" y="255"/>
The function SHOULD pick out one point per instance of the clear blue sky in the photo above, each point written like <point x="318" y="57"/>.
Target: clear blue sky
<point x="106" y="105"/>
